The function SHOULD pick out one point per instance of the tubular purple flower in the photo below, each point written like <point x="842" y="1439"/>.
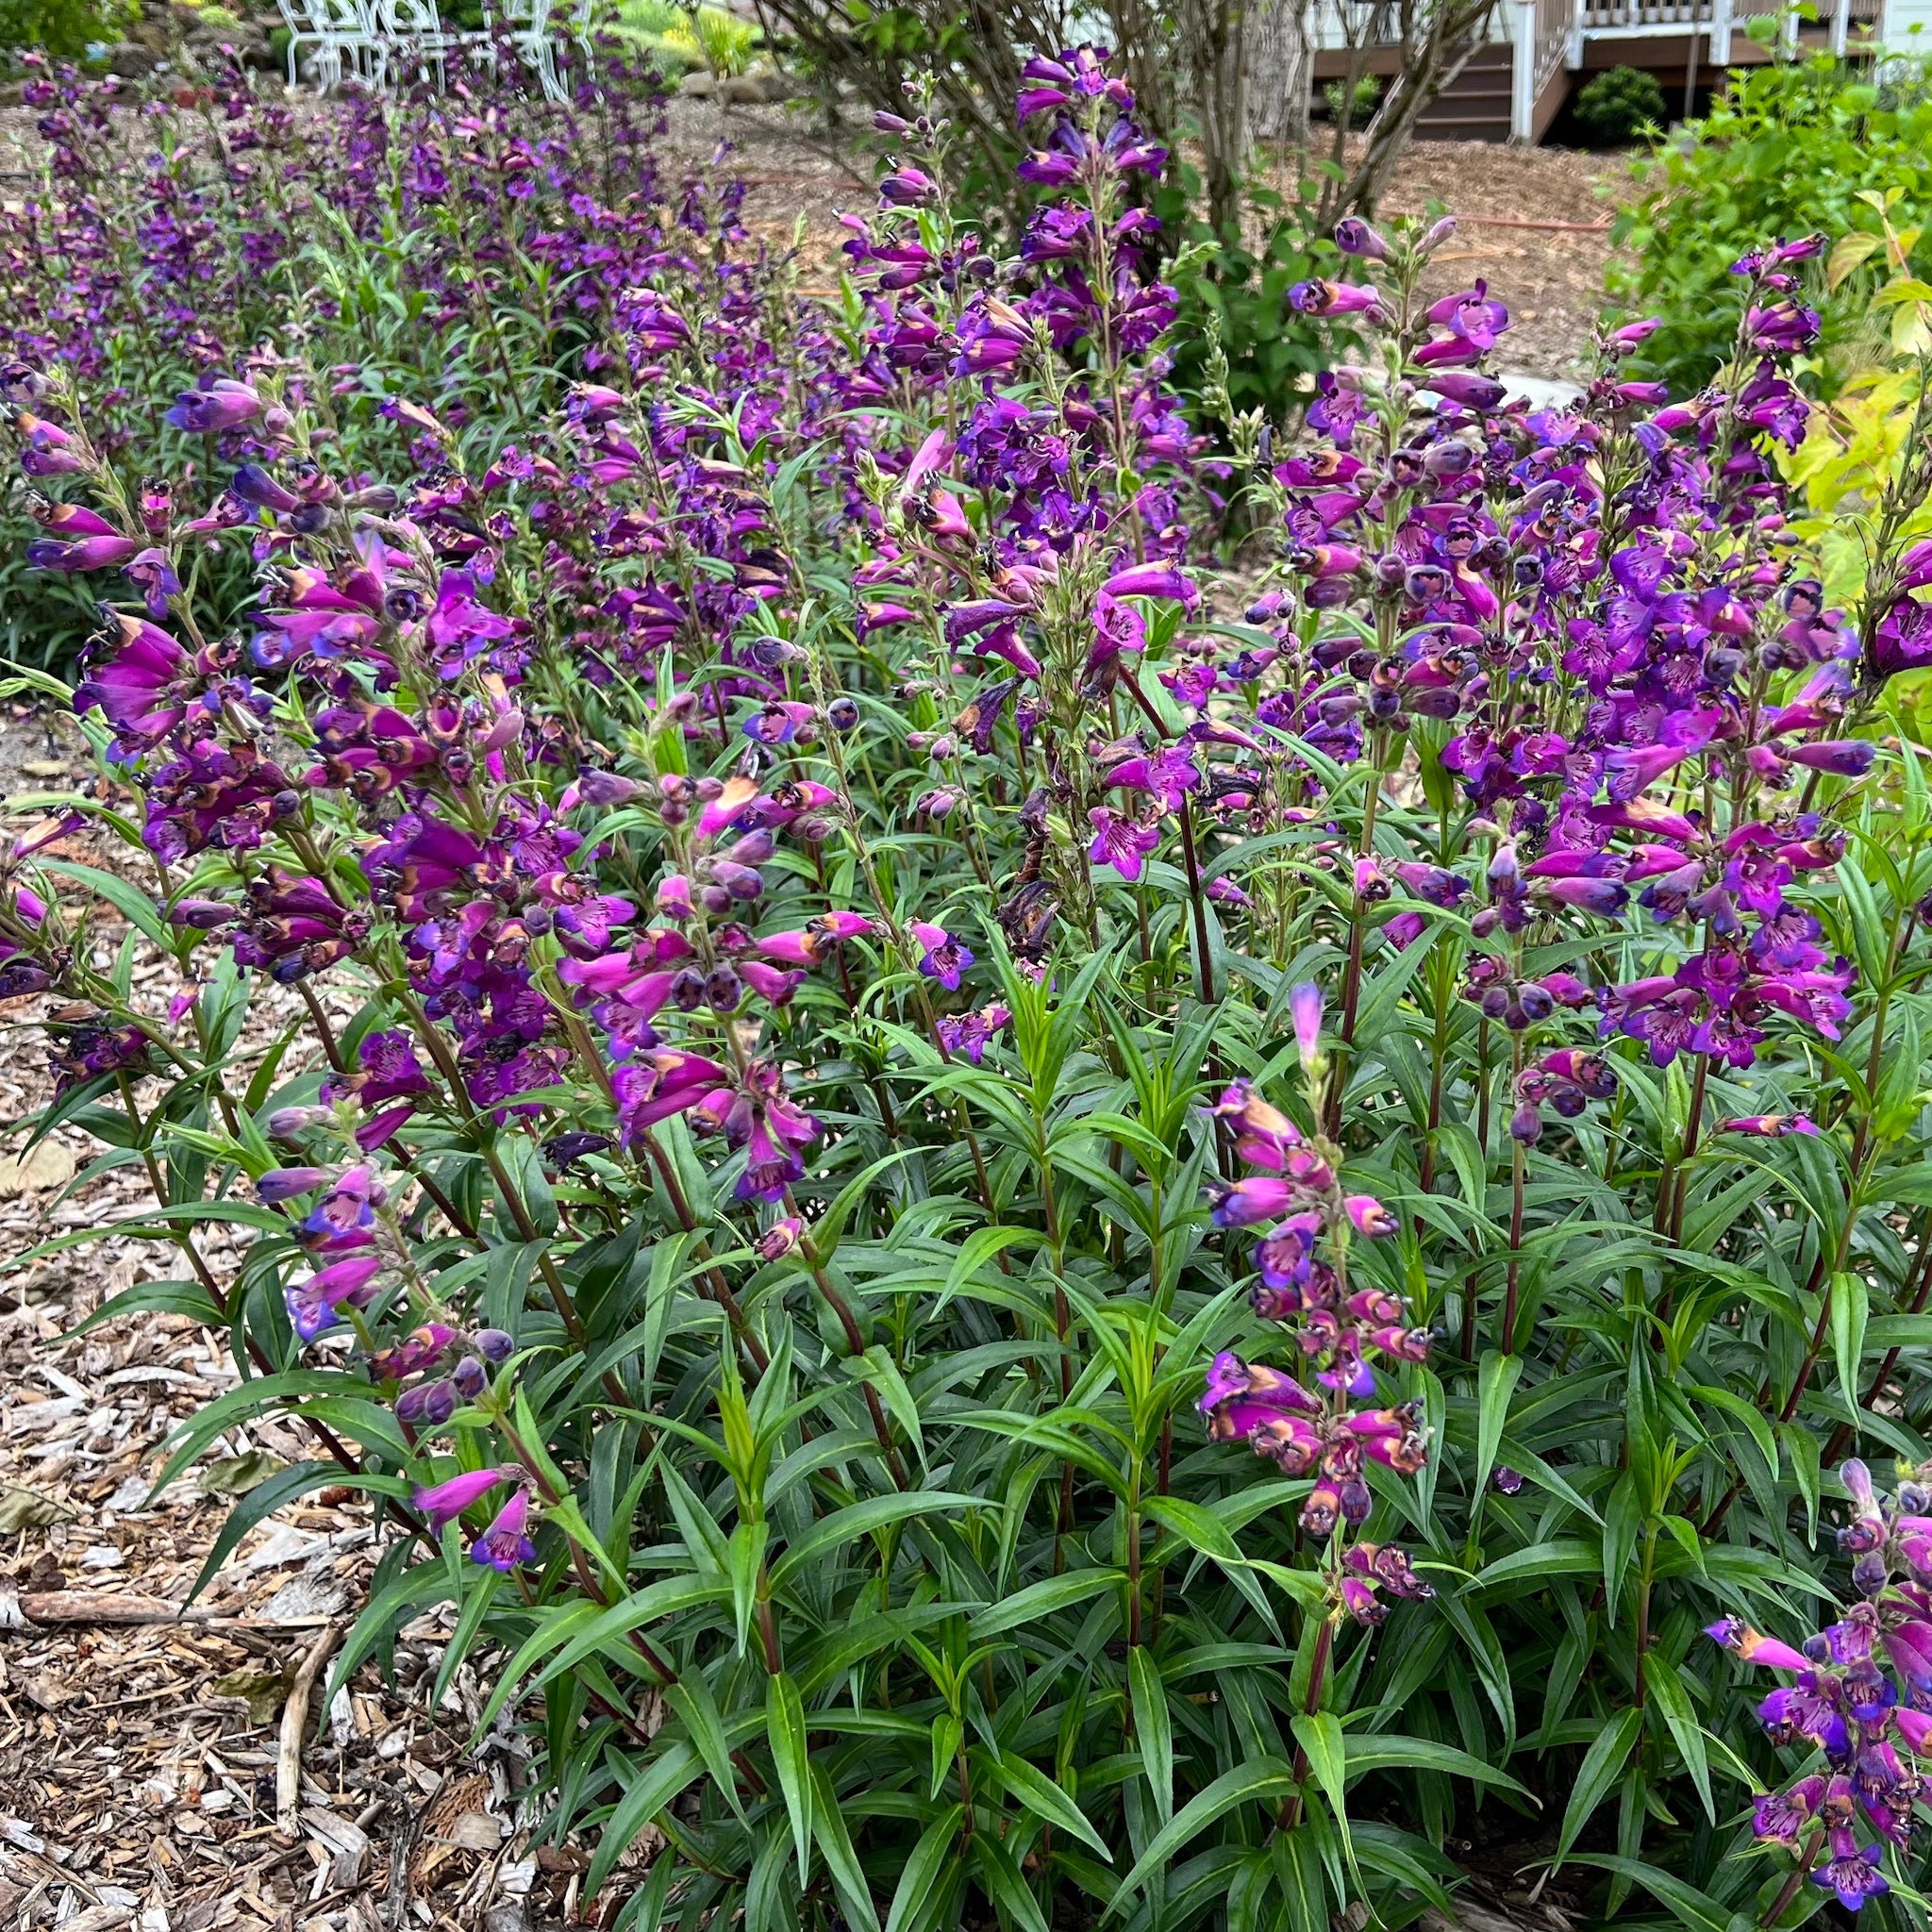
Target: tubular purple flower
<point x="1353" y="236"/>
<point x="1335" y="298"/>
<point x="1305" y="1011"/>
<point x="1152" y="580"/>
<point x="1120" y="843"/>
<point x="1852" y="1871"/>
<point x="1239" y="1399"/>
<point x="1464" y="386"/>
<point x="283" y="1183"/>
<point x="312" y="1304"/>
<point x="1754" y="1647"/>
<point x="220" y="406"/>
<point x="1770" y="1125"/>
<point x="1260" y="1197"/>
<point x="1633" y="335"/>
<point x="82" y="552"/>
<point x="504" y="1545"/>
<point x="427" y="1405"/>
<point x="1370" y="1217"/>
<point x="1848" y="757"/>
<point x="442" y="1503"/>
<point x="942" y="957"/>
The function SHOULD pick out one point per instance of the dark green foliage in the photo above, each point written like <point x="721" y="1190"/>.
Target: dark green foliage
<point x="1788" y="150"/>
<point x="1622" y="104"/>
<point x="64" y="28"/>
<point x="1241" y="292"/>
<point x="1368" y="97"/>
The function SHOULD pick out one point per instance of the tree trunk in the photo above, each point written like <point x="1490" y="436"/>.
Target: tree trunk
<point x="1214" y="40"/>
<point x="1281" y="69"/>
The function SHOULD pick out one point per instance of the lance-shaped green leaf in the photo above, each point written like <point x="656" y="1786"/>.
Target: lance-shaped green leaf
<point x="785" y="1728"/>
<point x="1152" y="1727"/>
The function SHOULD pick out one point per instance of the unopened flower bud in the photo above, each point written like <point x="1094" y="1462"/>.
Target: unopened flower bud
<point x="1304" y="1009"/>
<point x="738" y="881"/>
<point x="470" y="1377"/>
<point x="779" y="1239"/>
<point x="494" y="1345"/>
<point x="1369" y="1216"/>
<point x="606" y="787"/>
<point x="427" y="1403"/>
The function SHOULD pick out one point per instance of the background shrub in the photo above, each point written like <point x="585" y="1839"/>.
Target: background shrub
<point x="63" y="29"/>
<point x="1789" y="148"/>
<point x="1368" y="97"/>
<point x="1621" y="105"/>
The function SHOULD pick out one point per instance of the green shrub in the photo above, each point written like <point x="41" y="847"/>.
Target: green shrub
<point x="1621" y="105"/>
<point x="723" y="41"/>
<point x="1789" y="149"/>
<point x="64" y="28"/>
<point x="1368" y="96"/>
<point x="1234" y="294"/>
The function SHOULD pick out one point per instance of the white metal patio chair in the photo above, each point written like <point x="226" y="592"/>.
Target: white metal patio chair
<point x="414" y="38"/>
<point x="324" y="26"/>
<point x="350" y="44"/>
<point x="527" y="24"/>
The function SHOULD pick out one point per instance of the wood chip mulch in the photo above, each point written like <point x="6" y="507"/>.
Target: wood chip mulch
<point x="140" y="1740"/>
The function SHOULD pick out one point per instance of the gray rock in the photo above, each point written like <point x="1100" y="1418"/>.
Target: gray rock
<point x="1540" y="392"/>
<point x="697" y="86"/>
<point x="130" y="62"/>
<point x="754" y="89"/>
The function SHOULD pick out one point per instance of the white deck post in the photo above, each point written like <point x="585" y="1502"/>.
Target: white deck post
<point x="1522" y="73"/>
<point x="1721" y="33"/>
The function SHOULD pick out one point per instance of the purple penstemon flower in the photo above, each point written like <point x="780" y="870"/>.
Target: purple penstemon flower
<point x="441" y="1503"/>
<point x="1120" y="843"/>
<point x="222" y="404"/>
<point x="941" y="958"/>
<point x="971" y="1033"/>
<point x="1169" y="775"/>
<point x="504" y="1544"/>
<point x="312" y="1304"/>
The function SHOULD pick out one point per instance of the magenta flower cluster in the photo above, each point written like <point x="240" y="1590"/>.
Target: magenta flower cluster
<point x="1861" y="1692"/>
<point x="1341" y="1333"/>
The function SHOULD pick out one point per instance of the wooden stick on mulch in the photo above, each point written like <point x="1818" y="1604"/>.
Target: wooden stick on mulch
<point x="22" y="1610"/>
<point x="294" y="1716"/>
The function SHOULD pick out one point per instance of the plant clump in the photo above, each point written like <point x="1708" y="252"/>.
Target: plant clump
<point x="1013" y="1237"/>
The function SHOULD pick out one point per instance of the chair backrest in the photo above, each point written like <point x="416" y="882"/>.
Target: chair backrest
<point x="408" y="17"/>
<point x="525" y="18"/>
<point x="298" y="18"/>
<point x="345" y="19"/>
